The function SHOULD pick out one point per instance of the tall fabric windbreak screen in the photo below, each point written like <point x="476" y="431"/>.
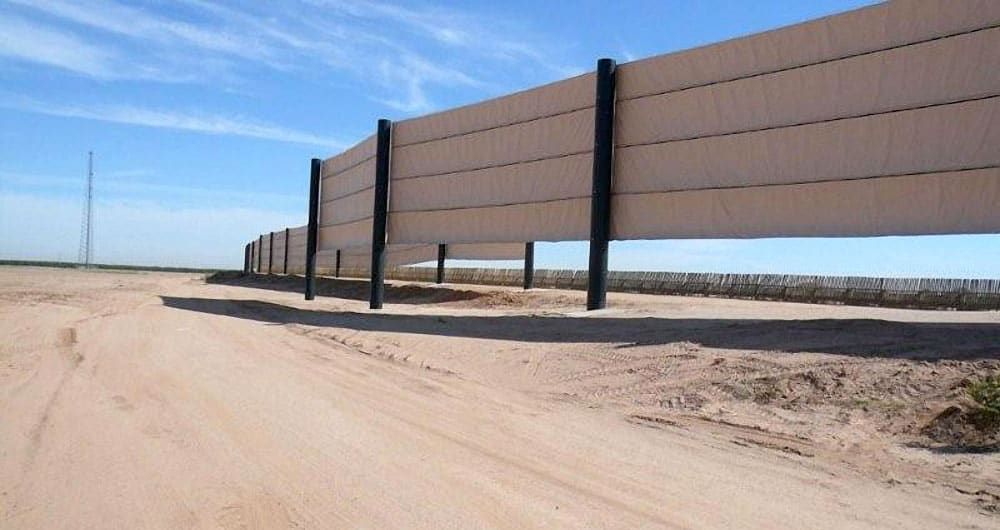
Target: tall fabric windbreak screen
<point x="278" y="252"/>
<point x="881" y="121"/>
<point x="265" y="255"/>
<point x="396" y="255"/>
<point x="346" y="196"/>
<point x="512" y="169"/>
<point x="297" y="249"/>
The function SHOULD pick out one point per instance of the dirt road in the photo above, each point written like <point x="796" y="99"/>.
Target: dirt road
<point x="146" y="400"/>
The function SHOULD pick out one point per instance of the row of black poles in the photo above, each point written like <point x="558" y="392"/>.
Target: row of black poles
<point x="442" y="253"/>
<point x="600" y="205"/>
<point x="383" y="150"/>
<point x="270" y="253"/>
<point x="600" y="200"/>
<point x="284" y="269"/>
<point x="529" y="265"/>
<point x="312" y="230"/>
<point x="248" y="255"/>
<point x="260" y="252"/>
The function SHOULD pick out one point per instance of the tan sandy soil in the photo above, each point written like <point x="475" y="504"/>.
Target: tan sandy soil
<point x="154" y="400"/>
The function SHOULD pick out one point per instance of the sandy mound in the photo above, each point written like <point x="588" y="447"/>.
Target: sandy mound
<point x="964" y="427"/>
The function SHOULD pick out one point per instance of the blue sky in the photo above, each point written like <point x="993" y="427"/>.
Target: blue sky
<point x="203" y="117"/>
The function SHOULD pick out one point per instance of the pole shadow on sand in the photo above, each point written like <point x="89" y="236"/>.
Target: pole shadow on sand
<point x="928" y="341"/>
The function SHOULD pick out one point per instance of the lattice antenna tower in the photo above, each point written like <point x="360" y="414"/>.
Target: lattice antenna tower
<point x="86" y="224"/>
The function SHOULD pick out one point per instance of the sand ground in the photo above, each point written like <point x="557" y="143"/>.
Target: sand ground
<point x="154" y="400"/>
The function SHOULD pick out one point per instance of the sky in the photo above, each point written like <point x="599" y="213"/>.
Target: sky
<point x="203" y="117"/>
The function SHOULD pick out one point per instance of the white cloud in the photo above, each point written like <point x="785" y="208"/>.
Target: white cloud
<point x="165" y="119"/>
<point x="450" y="27"/>
<point x="401" y="51"/>
<point x="31" y="42"/>
<point x="137" y="23"/>
<point x="410" y="75"/>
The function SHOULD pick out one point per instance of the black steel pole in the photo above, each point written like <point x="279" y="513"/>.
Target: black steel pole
<point x="529" y="265"/>
<point x="600" y="201"/>
<point x="260" y="252"/>
<point x="336" y="268"/>
<point x="442" y="252"/>
<point x="312" y="232"/>
<point x="284" y="269"/>
<point x="380" y="212"/>
<point x="246" y="259"/>
<point x="270" y="253"/>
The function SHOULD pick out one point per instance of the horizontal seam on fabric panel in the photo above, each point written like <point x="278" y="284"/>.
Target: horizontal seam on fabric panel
<point x="511" y="124"/>
<point x="348" y="168"/>
<point x="338" y="197"/>
<point x="396" y="251"/>
<point x="809" y="182"/>
<point x="806" y="65"/>
<point x="492" y="205"/>
<point x="495" y="166"/>
<point x="803" y="124"/>
<point x="348" y="222"/>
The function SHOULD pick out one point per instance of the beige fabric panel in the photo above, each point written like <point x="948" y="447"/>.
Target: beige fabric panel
<point x="326" y="259"/>
<point x="265" y="253"/>
<point x="350" y="258"/>
<point x="534" y="146"/>
<point x="347" y="197"/>
<point x="346" y="221"/>
<point x="279" y="251"/>
<point x="946" y="70"/>
<point x="484" y="251"/>
<point x="355" y="207"/>
<point x="556" y="178"/>
<point x="949" y="137"/>
<point x="396" y="255"/>
<point x="361" y="261"/>
<point x="296" y="261"/>
<point x="297" y="248"/>
<point x="926" y="108"/>
<point x="359" y="177"/>
<point x="296" y="258"/>
<point x="864" y="30"/>
<point x="345" y="235"/>
<point x="562" y="220"/>
<point x="942" y="203"/>
<point x="800" y="131"/>
<point x="543" y="138"/>
<point x="351" y="157"/>
<point x="559" y="97"/>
